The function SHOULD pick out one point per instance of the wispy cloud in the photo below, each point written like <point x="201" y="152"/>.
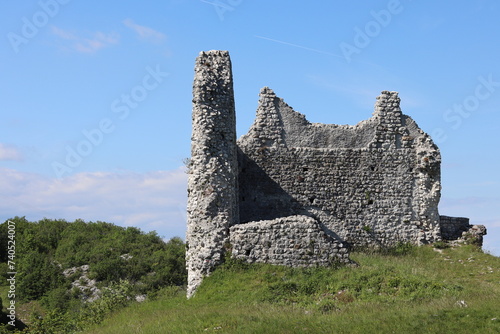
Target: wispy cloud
<point x="145" y="33"/>
<point x="63" y="34"/>
<point x="98" y="40"/>
<point x="10" y="153"/>
<point x="150" y="201"/>
<point x="299" y="46"/>
<point x="430" y="24"/>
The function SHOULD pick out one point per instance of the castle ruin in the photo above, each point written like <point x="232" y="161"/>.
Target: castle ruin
<point x="296" y="193"/>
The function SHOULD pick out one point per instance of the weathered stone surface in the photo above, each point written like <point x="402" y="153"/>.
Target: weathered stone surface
<point x="291" y="241"/>
<point x="459" y="230"/>
<point x="453" y="227"/>
<point x="212" y="183"/>
<point x="297" y="193"/>
<point x="373" y="184"/>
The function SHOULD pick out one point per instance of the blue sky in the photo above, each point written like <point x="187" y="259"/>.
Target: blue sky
<point x="96" y="96"/>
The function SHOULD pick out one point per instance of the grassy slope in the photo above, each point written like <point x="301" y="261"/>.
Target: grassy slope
<point x="456" y="291"/>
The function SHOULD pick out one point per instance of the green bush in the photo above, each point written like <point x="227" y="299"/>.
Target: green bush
<point x="115" y="296"/>
<point x="47" y="247"/>
<point x="57" y="299"/>
<point x="37" y="274"/>
<point x="53" y="322"/>
<point x="441" y="245"/>
<point x="110" y="269"/>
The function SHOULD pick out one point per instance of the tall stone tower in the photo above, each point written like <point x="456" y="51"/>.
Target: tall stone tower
<point x="212" y="184"/>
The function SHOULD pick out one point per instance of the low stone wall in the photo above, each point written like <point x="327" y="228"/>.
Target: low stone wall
<point x="459" y="230"/>
<point x="295" y="241"/>
<point x="453" y="227"/>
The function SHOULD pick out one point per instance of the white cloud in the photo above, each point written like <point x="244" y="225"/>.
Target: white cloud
<point x="62" y="33"/>
<point x="150" y="201"/>
<point x="9" y="153"/>
<point x="145" y="33"/>
<point x="97" y="41"/>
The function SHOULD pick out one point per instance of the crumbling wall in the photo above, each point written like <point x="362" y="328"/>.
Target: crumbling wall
<point x="297" y="193"/>
<point x="373" y="184"/>
<point x="458" y="229"/>
<point x="212" y="183"/>
<point x="453" y="227"/>
<point x="297" y="241"/>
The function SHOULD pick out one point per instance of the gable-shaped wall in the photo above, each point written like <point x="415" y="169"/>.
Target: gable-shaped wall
<point x="376" y="183"/>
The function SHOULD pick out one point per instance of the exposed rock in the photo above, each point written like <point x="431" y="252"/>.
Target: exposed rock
<point x="126" y="257"/>
<point x="88" y="289"/>
<point x="140" y="298"/>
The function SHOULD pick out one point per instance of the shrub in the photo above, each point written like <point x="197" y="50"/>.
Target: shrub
<point x="58" y="298"/>
<point x="441" y="245"/>
<point x="49" y="246"/>
<point x="109" y="270"/>
<point x="115" y="296"/>
<point x="38" y="274"/>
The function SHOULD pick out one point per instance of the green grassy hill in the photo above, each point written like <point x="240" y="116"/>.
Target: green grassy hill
<point x="408" y="290"/>
<point x="61" y="266"/>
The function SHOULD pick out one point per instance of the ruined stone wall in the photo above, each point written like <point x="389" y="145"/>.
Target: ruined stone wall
<point x="297" y="193"/>
<point x="291" y="241"/>
<point x="459" y="230"/>
<point x="453" y="227"/>
<point x="373" y="184"/>
<point x="212" y="183"/>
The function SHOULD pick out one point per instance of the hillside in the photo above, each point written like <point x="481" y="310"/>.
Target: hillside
<point x="406" y="290"/>
<point x="69" y="275"/>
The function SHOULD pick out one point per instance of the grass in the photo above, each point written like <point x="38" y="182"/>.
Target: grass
<point x="453" y="290"/>
<point x="23" y="310"/>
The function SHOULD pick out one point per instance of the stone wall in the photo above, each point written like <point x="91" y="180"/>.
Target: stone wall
<point x="459" y="229"/>
<point x="453" y="227"/>
<point x="291" y="241"/>
<point x="373" y="184"/>
<point x="297" y="193"/>
<point x="212" y="183"/>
